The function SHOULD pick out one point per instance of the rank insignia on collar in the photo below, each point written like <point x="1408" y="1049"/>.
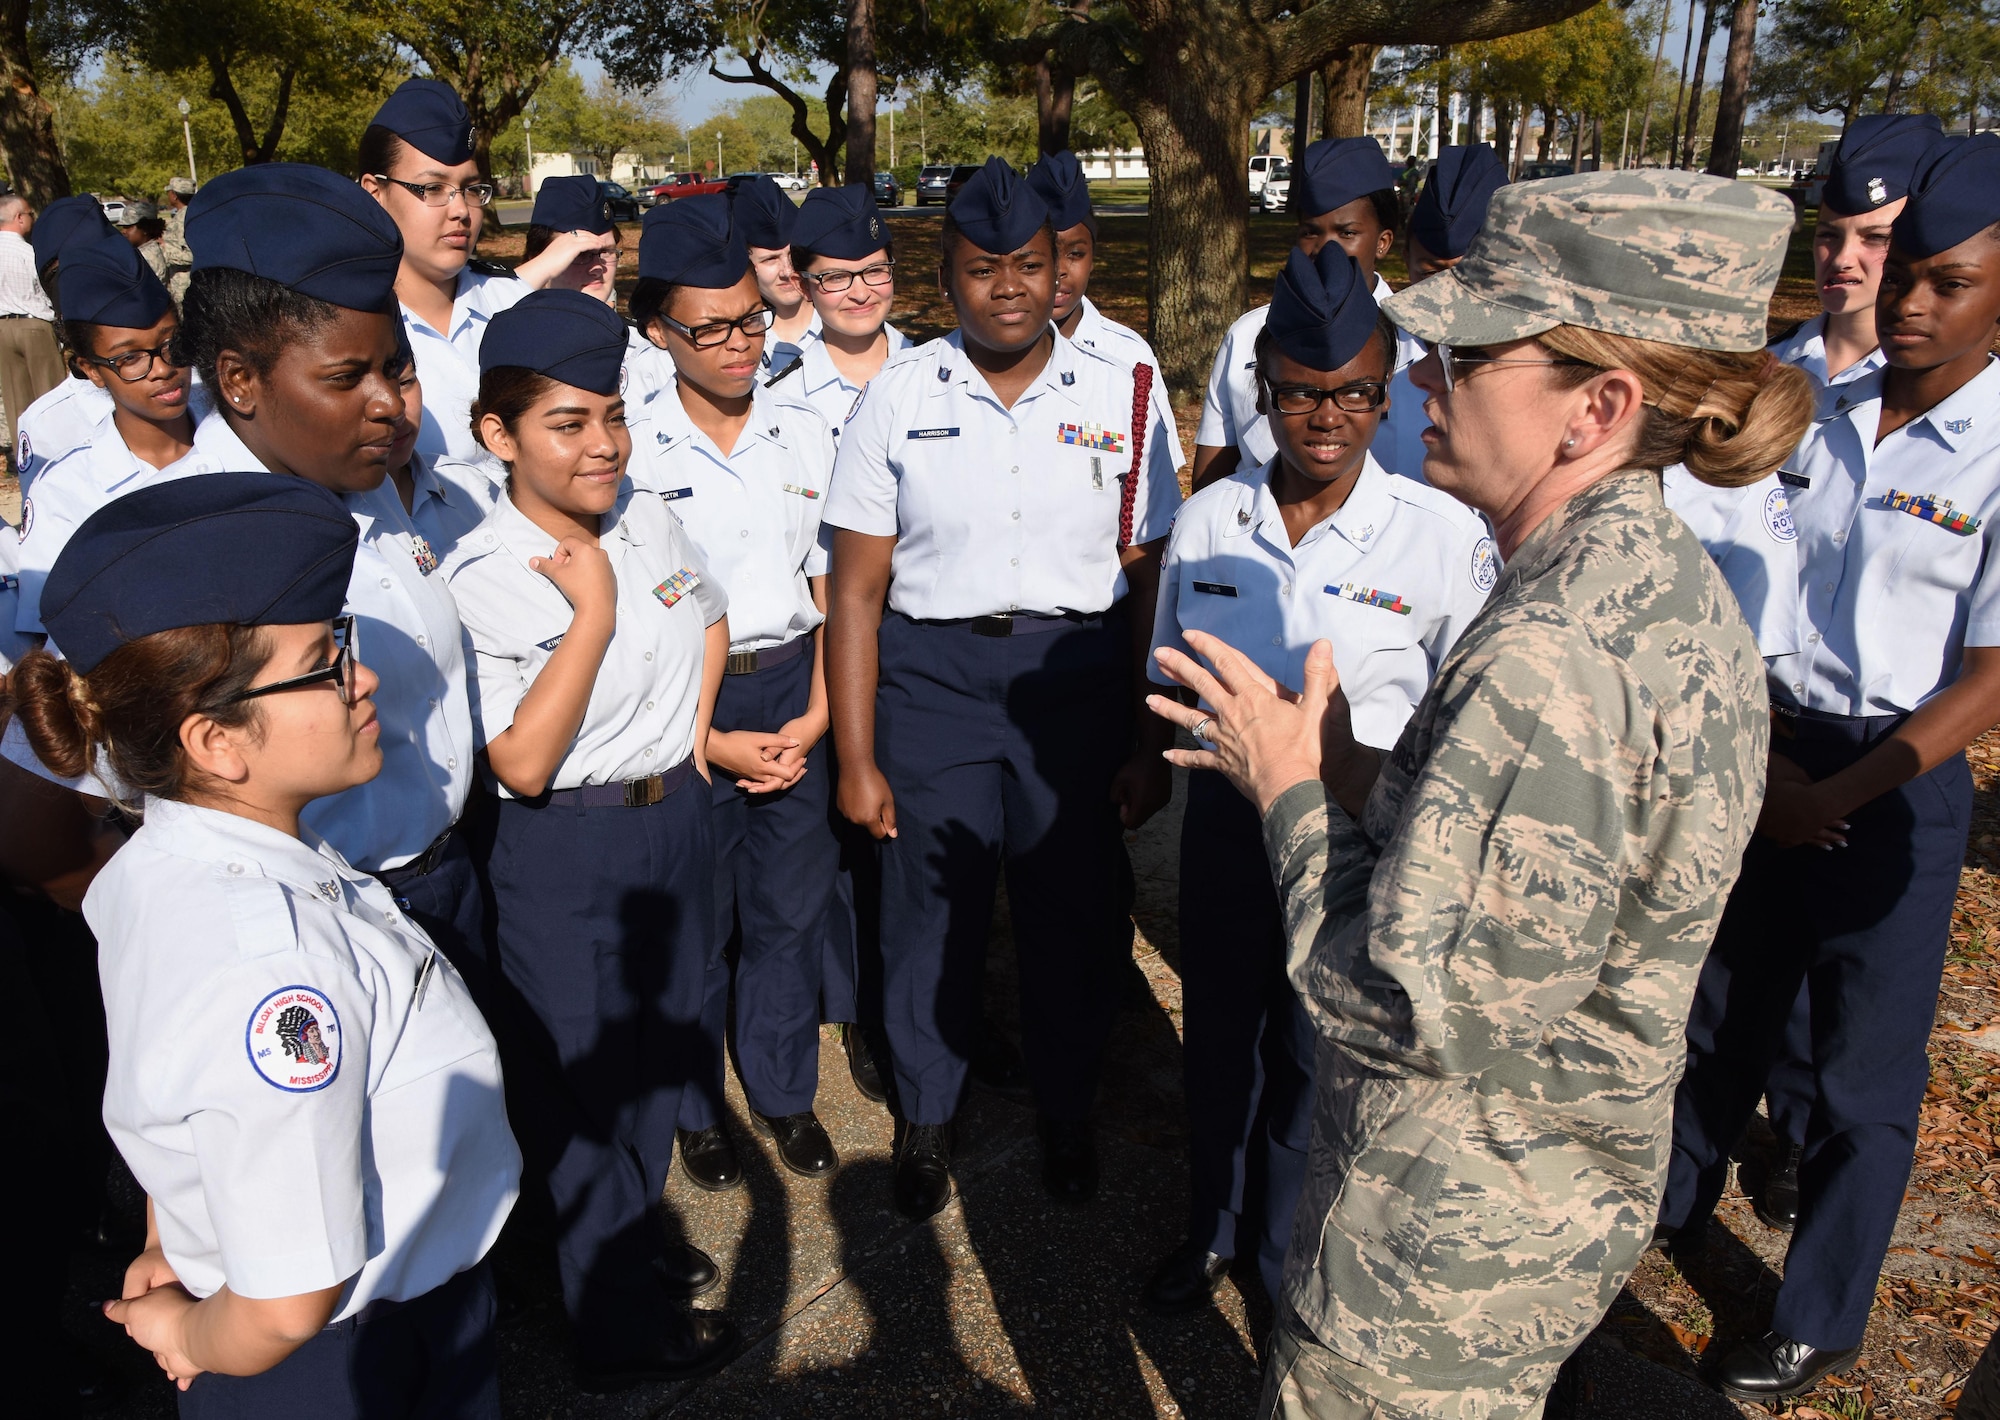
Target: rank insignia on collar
<point x="1957" y="426"/>
<point x="1069" y="377"/>
<point x="944" y="374"/>
<point x="427" y="560"/>
<point x="330" y="891"/>
<point x="1242" y="518"/>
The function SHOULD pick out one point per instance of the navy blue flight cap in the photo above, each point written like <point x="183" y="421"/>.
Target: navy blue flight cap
<point x="67" y="220"/>
<point x="1954" y="195"/>
<point x="1335" y="171"/>
<point x="232" y="549"/>
<point x="430" y="117"/>
<point x="300" y="226"/>
<point x="762" y="212"/>
<point x="1877" y="157"/>
<point x="1452" y="207"/>
<point x="842" y="223"/>
<point x="997" y="211"/>
<point x="105" y="285"/>
<point x="1059" y="179"/>
<point x="1322" y="310"/>
<point x="571" y="204"/>
<point x="565" y="335"/>
<point x="692" y="242"/>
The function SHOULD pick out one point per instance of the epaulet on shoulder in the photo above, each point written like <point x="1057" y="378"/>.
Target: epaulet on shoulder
<point x="910" y="354"/>
<point x="1117" y="362"/>
<point x="797" y="361"/>
<point x="485" y="266"/>
<point x="1431" y="500"/>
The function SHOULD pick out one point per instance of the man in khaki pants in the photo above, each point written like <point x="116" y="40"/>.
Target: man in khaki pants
<point x="30" y="362"/>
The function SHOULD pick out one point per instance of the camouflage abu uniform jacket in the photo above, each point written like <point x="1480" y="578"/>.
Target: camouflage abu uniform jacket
<point x="1499" y="959"/>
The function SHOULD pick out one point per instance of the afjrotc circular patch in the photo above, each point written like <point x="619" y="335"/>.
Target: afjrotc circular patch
<point x="294" y="1039"/>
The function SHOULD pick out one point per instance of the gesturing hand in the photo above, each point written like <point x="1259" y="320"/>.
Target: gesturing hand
<point x="582" y="573"/>
<point x="1266" y="737"/>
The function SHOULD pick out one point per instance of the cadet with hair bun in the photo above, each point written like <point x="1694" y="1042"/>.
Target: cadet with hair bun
<point x="299" y="1081"/>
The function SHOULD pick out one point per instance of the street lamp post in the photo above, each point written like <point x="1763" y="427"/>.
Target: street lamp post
<point x="718" y="152"/>
<point x="187" y="134"/>
<point x="528" y="141"/>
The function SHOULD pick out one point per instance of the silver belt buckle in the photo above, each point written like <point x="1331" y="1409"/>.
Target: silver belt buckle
<point x="644" y="793"/>
<point x="740" y="663"/>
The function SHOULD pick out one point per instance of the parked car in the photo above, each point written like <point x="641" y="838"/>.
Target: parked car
<point x="940" y="182"/>
<point x="624" y="204"/>
<point x="1263" y="168"/>
<point x="1536" y="170"/>
<point x="685" y="185"/>
<point x="1277" y="192"/>
<point x="888" y="192"/>
<point x="114" y="207"/>
<point x="790" y="182"/>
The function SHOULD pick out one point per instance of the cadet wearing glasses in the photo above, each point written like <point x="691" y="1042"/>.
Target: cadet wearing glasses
<point x="416" y="160"/>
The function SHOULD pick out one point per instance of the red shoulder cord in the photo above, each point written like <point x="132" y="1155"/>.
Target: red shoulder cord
<point x="1142" y="409"/>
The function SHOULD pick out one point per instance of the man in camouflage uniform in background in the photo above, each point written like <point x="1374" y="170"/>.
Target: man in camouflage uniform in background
<point x="1499" y="956"/>
<point x="173" y="245"/>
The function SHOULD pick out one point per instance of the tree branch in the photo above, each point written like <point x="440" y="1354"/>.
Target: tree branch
<point x="1317" y="33"/>
<point x="275" y="130"/>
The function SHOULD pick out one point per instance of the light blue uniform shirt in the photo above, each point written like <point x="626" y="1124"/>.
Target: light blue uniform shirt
<point x="999" y="510"/>
<point x="819" y="383"/>
<point x="452" y="497"/>
<point x="68" y="489"/>
<point x="1229" y="406"/>
<point x="409" y="633"/>
<point x="1391" y="578"/>
<point x="448" y="363"/>
<point x="1896" y="547"/>
<point x="780" y="353"/>
<point x="67" y="417"/>
<point x="299" y="1079"/>
<point x="1805" y="349"/>
<point x="13" y="644"/>
<point x="1097" y="331"/>
<point x="753" y="512"/>
<point x="641" y="716"/>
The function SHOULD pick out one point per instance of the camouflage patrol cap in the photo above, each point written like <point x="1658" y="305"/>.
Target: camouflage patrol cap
<point x="181" y="187"/>
<point x="1681" y="258"/>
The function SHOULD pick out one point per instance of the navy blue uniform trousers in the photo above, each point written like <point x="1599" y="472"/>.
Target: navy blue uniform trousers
<point x="775" y="856"/>
<point x="1246" y="1043"/>
<point x="1788" y="1093"/>
<point x="434" y="1357"/>
<point x="1864" y="927"/>
<point x="450" y="905"/>
<point x="1001" y="749"/>
<point x="605" y="918"/>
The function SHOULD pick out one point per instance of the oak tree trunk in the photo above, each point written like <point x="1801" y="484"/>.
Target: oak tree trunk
<point x="861" y="92"/>
<point x="1347" y="90"/>
<point x="1690" y="133"/>
<point x="1727" y="152"/>
<point x="1302" y="115"/>
<point x="1055" y="97"/>
<point x="27" y="124"/>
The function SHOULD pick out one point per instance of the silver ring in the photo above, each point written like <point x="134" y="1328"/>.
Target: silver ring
<point x="1200" y="728"/>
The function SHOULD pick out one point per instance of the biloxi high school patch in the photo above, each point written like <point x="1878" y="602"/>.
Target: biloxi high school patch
<point x="677" y="586"/>
<point x="27" y="519"/>
<point x="26" y="452"/>
<point x="294" y="1040"/>
<point x="1485" y="565"/>
<point x="1778" y="516"/>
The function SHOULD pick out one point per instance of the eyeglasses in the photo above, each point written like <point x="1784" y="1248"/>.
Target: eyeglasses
<point x="834" y="282"/>
<point x="713" y="333"/>
<point x="1454" y="363"/>
<point x="347" y="636"/>
<point x="440" y="194"/>
<point x="1361" y="397"/>
<point x="133" y="366"/>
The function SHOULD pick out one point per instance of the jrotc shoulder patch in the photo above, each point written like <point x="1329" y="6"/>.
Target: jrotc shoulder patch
<point x="293" y="1040"/>
<point x="27" y="519"/>
<point x="1778" y="516"/>
<point x="25" y="451"/>
<point x="677" y="586"/>
<point x="1485" y="565"/>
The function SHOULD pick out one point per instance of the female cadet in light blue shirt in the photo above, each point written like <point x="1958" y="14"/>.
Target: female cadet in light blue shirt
<point x="598" y="640"/>
<point x="76" y="411"/>
<point x="299" y="1082"/>
<point x="747" y="475"/>
<point x="1317" y="544"/>
<point x="1003" y="496"/>
<point x="1850" y="882"/>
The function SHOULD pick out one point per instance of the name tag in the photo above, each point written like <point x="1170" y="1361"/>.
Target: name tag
<point x="1371" y="596"/>
<point x="1215" y="589"/>
<point x="553" y="642"/>
<point x="1091" y="436"/>
<point x="951" y="433"/>
<point x="1932" y="510"/>
<point x="677" y="586"/>
<point x="802" y="492"/>
<point x="1794" y="480"/>
<point x="672" y="493"/>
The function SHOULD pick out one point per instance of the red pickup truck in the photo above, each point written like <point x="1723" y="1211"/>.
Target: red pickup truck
<point x="681" y="185"/>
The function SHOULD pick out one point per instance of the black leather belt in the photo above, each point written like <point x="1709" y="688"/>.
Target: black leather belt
<point x="632" y="794"/>
<point x="1018" y="623"/>
<point x="420" y="866"/>
<point x="750" y="662"/>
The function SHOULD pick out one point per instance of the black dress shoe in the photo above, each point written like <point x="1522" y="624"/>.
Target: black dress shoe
<point x="1185" y="1281"/>
<point x="1069" y="1158"/>
<point x="1777" y="1202"/>
<point x="697" y="1344"/>
<point x="996" y="1063"/>
<point x="709" y="1157"/>
<point x="923" y="1169"/>
<point x="1774" y="1366"/>
<point x="802" y="1143"/>
<point x="688" y="1271"/>
<point x="862" y="1067"/>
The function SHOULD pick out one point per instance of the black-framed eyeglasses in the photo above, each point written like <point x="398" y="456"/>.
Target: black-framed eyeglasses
<point x="834" y="282"/>
<point x="710" y="334"/>
<point x="440" y="194"/>
<point x="347" y="636"/>
<point x="1361" y="397"/>
<point x="1455" y="363"/>
<point x="133" y="366"/>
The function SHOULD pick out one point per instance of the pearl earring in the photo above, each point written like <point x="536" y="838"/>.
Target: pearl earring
<point x="1569" y="443"/>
